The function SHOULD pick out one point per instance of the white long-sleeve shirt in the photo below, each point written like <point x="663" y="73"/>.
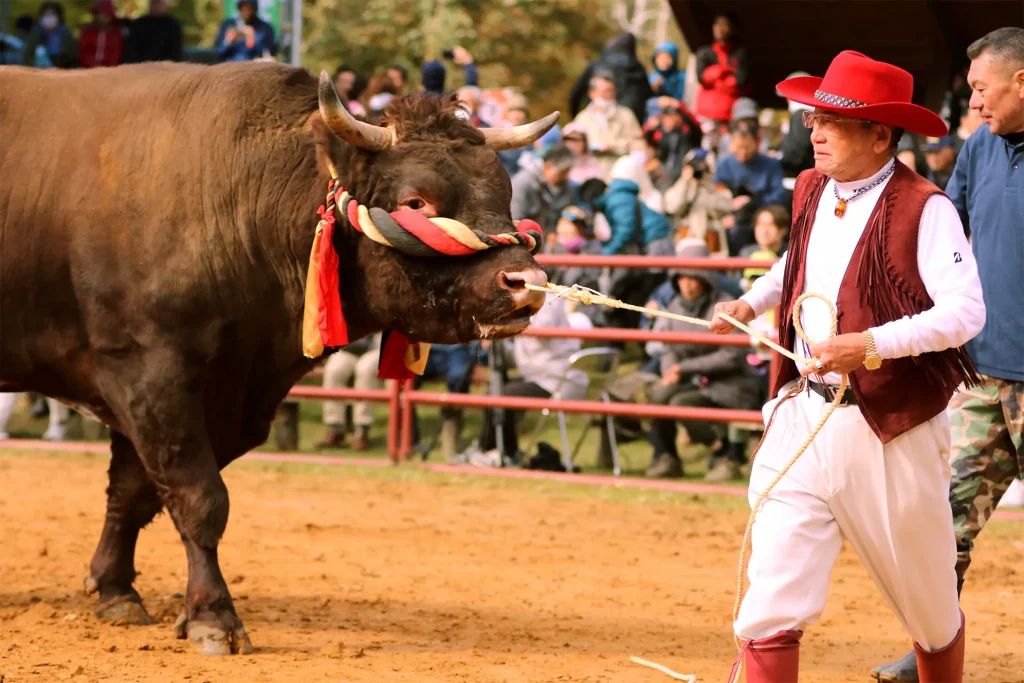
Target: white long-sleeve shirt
<point x="944" y="260"/>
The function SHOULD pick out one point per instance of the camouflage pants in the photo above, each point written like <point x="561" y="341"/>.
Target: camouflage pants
<point x="987" y="422"/>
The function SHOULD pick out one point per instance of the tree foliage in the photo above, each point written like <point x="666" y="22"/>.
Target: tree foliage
<point x="537" y="46"/>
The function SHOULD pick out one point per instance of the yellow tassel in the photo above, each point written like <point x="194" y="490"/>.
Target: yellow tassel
<point x="416" y="357"/>
<point x="312" y="344"/>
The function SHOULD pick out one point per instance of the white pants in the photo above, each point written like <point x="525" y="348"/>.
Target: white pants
<point x="891" y="502"/>
<point x="59" y="416"/>
<point x="344" y="369"/>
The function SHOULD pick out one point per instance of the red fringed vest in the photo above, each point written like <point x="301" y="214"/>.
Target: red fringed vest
<point x="881" y="284"/>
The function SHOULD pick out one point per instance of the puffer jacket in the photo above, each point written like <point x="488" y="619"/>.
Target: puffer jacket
<point x="619" y="205"/>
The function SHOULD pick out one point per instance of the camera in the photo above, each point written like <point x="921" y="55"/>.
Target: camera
<point x="699" y="166"/>
<point x="448" y="54"/>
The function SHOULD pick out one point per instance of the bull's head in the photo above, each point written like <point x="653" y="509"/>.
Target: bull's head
<point x="423" y="156"/>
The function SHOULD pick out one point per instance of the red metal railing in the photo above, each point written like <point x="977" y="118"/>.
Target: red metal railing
<point x="659" y="262"/>
<point x="402" y="399"/>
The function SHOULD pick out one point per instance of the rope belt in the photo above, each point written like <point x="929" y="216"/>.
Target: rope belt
<point x="588" y="296"/>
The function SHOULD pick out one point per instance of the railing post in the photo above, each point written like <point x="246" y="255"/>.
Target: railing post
<point x="405" y="449"/>
<point x="394" y="420"/>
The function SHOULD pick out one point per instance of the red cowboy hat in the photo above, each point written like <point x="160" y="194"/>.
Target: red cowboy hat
<point x="864" y="88"/>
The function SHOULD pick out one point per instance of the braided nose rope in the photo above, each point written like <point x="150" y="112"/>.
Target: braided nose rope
<point x="413" y="233"/>
<point x="589" y="297"/>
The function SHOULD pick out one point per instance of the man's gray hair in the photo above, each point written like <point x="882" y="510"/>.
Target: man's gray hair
<point x="602" y="75"/>
<point x="1005" y="43"/>
<point x="560" y="156"/>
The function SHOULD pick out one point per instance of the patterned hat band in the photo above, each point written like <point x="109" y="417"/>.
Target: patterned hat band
<point x="836" y="100"/>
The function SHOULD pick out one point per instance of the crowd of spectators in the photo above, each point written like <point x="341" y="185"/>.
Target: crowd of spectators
<point x="637" y="170"/>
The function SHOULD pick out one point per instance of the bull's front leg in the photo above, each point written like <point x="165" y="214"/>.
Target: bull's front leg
<point x="197" y="500"/>
<point x="132" y="502"/>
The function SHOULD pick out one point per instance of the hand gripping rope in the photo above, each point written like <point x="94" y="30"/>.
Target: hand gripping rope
<point x="589" y="297"/>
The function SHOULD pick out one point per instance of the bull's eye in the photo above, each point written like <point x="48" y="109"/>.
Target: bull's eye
<point x="419" y="205"/>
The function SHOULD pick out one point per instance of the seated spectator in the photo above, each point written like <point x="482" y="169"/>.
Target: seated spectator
<point x="771" y="232"/>
<point x="399" y="75"/>
<point x="610" y="127"/>
<point x="380" y="91"/>
<point x="698" y="375"/>
<point x="754" y="179"/>
<point x="572" y="236"/>
<point x="618" y="61"/>
<point x="666" y="79"/>
<point x="54" y="36"/>
<point x="517" y="112"/>
<point x="940" y="156"/>
<point x="433" y="74"/>
<point x="542" y="194"/>
<point x="350" y="85"/>
<point x="455" y="363"/>
<point x="354" y="365"/>
<point x="744" y="111"/>
<point x="585" y="167"/>
<point x="101" y="42"/>
<point x="723" y="71"/>
<point x="797" y="150"/>
<point x="635" y="224"/>
<point x="469" y="98"/>
<point x="676" y="135"/>
<point x="60" y="414"/>
<point x="697" y="206"/>
<point x="542" y="362"/>
<point x="246" y="37"/>
<point x="155" y="37"/>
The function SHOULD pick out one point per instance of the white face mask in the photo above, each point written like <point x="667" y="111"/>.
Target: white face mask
<point x="602" y="104"/>
<point x="49" y="21"/>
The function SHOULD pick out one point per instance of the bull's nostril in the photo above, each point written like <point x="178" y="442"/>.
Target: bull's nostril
<point x="517" y="280"/>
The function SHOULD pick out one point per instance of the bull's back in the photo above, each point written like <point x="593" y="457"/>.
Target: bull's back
<point x="114" y="184"/>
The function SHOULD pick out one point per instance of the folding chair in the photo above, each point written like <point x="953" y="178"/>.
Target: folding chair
<point x="613" y="356"/>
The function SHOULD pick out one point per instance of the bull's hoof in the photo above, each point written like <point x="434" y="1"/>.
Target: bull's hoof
<point x="214" y="635"/>
<point x="900" y="671"/>
<point x="124" y="611"/>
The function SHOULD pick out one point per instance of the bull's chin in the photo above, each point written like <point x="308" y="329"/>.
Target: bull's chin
<point x="508" y="325"/>
<point x="502" y="329"/>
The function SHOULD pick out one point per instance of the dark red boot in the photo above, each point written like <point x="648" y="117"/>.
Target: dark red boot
<point x="945" y="665"/>
<point x="775" y="659"/>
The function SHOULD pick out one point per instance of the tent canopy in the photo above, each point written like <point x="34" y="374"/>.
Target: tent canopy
<point x="928" y="38"/>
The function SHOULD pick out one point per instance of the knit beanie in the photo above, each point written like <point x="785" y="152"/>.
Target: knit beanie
<point x="432" y="77"/>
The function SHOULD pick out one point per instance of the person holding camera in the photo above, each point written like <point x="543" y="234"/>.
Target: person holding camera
<point x="246" y="36"/>
<point x="433" y="73"/>
<point x="697" y="205"/>
<point x="754" y="179"/>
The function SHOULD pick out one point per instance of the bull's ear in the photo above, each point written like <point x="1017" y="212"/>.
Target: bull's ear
<point x="501" y="139"/>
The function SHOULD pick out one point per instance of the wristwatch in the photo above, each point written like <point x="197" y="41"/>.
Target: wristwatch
<point x="872" y="361"/>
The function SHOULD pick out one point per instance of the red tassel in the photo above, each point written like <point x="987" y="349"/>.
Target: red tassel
<point x="392" y="357"/>
<point x="331" y="319"/>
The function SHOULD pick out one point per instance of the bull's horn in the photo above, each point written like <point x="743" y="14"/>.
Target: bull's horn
<point x="347" y="127"/>
<point x="501" y="139"/>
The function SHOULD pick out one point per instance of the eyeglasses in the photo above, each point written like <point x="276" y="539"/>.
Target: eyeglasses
<point x="826" y="120"/>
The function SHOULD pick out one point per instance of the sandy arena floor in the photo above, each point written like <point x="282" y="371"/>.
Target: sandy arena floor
<point x="351" y="577"/>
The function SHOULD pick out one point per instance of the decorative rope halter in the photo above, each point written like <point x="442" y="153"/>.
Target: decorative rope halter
<point x="410" y="232"/>
<point x="413" y="233"/>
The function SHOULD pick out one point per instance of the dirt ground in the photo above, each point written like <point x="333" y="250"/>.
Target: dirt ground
<point x="404" y="577"/>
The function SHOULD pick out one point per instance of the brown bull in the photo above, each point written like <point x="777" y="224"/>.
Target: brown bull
<point x="155" y="230"/>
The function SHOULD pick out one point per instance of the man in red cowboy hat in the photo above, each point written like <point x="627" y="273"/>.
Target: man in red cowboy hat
<point x="889" y="249"/>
